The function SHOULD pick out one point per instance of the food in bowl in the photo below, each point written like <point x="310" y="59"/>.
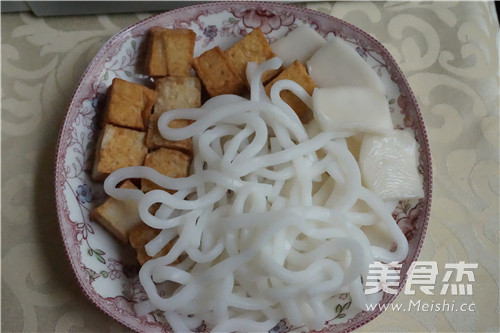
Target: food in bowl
<point x="274" y="219"/>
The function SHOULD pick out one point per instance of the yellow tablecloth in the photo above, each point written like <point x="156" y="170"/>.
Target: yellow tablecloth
<point x="450" y="55"/>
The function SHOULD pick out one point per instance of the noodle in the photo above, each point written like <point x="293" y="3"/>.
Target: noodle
<point x="265" y="227"/>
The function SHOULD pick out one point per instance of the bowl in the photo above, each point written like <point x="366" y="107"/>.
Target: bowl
<point x="107" y="271"/>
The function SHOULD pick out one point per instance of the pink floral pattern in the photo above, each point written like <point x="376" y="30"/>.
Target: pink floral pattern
<point x="407" y="217"/>
<point x="94" y="255"/>
<point x="267" y="20"/>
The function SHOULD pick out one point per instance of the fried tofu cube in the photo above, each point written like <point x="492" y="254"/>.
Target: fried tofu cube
<point x="177" y="93"/>
<point x="155" y="140"/>
<point x="170" y="52"/>
<point x="118" y="147"/>
<point x="296" y="72"/>
<point x="173" y="93"/>
<point x="155" y="64"/>
<point x="129" y="104"/>
<point x="254" y="47"/>
<point x="117" y="216"/>
<point x="217" y="73"/>
<point x="168" y="162"/>
<point x="142" y="234"/>
<point x="179" y="47"/>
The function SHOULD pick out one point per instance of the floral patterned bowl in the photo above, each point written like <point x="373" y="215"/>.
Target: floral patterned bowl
<point x="106" y="270"/>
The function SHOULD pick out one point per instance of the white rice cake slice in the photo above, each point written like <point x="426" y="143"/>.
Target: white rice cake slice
<point x="352" y="109"/>
<point x="389" y="165"/>
<point x="337" y="64"/>
<point x="299" y="44"/>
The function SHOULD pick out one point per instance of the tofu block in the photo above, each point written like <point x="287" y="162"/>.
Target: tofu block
<point x="129" y="104"/>
<point x="170" y="52"/>
<point x="296" y="72"/>
<point x="168" y="162"/>
<point x="179" y="47"/>
<point x="155" y="140"/>
<point x="141" y="235"/>
<point x="155" y="63"/>
<point x="177" y="93"/>
<point x="118" y="147"/>
<point x="118" y="217"/>
<point x="254" y="47"/>
<point x="173" y="93"/>
<point x="217" y="73"/>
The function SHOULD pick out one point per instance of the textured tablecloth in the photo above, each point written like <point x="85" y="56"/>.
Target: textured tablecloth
<point x="450" y="55"/>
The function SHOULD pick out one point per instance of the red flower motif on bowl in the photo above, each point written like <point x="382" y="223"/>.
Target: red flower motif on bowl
<point x="263" y="18"/>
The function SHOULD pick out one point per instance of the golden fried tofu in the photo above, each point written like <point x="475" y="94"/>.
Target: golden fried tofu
<point x="177" y="93"/>
<point x="129" y="104"/>
<point x="298" y="73"/>
<point x="217" y="73"/>
<point x="170" y="51"/>
<point x="254" y="47"/>
<point x="155" y="64"/>
<point x="142" y="234"/>
<point x="173" y="93"/>
<point x="118" y="147"/>
<point x="179" y="46"/>
<point x="169" y="162"/>
<point x="155" y="140"/>
<point x="117" y="216"/>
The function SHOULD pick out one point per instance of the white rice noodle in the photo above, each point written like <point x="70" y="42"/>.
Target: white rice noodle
<point x="264" y="228"/>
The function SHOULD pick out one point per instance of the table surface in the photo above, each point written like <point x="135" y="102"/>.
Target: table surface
<point x="447" y="50"/>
